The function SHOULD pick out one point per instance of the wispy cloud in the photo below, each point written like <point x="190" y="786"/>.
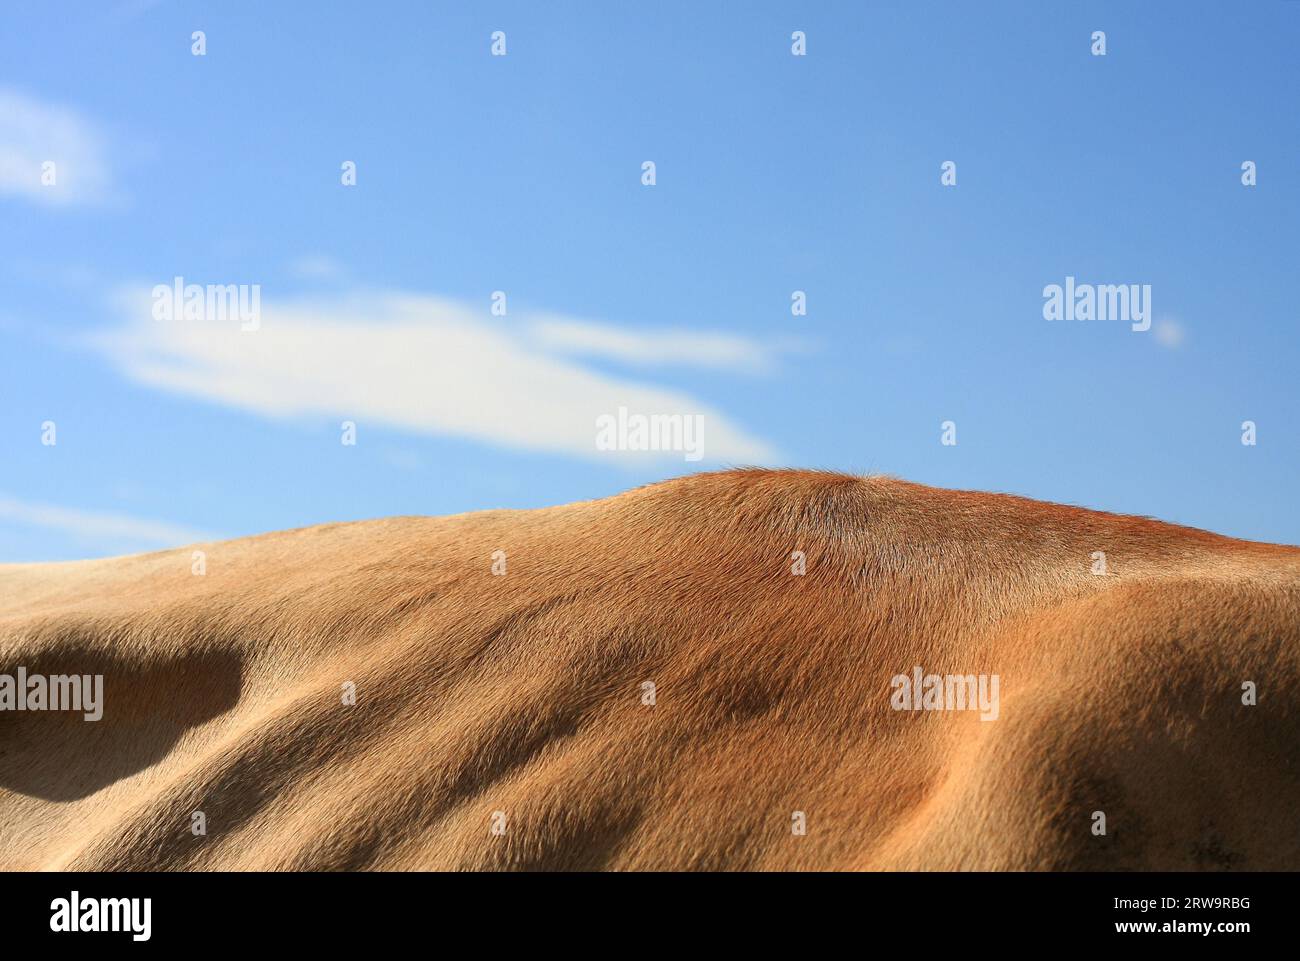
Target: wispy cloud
<point x="120" y="531"/>
<point x="34" y="133"/>
<point x="1169" y="333"/>
<point x="426" y="365"/>
<point x="651" y="348"/>
<point x="317" y="267"/>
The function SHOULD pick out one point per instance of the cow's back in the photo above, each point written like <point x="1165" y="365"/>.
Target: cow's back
<point x="697" y="674"/>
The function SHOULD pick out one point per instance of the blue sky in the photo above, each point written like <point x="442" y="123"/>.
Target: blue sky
<point x="522" y="173"/>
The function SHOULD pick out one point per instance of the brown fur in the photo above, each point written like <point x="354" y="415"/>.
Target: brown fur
<point x="522" y="693"/>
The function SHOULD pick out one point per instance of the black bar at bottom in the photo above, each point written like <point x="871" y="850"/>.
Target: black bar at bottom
<point x="646" y="912"/>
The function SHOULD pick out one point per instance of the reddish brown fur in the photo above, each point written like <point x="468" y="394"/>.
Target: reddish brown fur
<point x="522" y="693"/>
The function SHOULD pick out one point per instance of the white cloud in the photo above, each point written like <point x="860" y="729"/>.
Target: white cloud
<point x="33" y="132"/>
<point x="411" y="362"/>
<point x="116" y="529"/>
